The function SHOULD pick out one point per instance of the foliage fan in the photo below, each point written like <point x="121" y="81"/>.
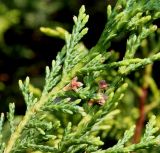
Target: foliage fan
<point x="83" y="87"/>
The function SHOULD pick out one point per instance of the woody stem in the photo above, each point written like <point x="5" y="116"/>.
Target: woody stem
<point x="140" y="121"/>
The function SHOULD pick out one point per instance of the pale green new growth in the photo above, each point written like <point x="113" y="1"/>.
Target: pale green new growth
<point x="2" y="144"/>
<point x="75" y="111"/>
<point x="10" y="116"/>
<point x="72" y="54"/>
<point x="58" y="32"/>
<point x="28" y="96"/>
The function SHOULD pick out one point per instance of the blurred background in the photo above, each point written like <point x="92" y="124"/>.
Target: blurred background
<point x="25" y="51"/>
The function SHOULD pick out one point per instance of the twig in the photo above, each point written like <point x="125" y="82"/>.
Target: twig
<point x="140" y="121"/>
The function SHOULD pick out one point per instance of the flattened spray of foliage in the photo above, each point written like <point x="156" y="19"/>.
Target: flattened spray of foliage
<point x="79" y="105"/>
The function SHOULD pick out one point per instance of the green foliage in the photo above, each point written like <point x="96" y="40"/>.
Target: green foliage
<point x="83" y="88"/>
<point x="10" y="116"/>
<point x="28" y="95"/>
<point x="147" y="140"/>
<point x="2" y="144"/>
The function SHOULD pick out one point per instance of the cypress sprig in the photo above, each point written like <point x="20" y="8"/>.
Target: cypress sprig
<point x="10" y="116"/>
<point x="83" y="86"/>
<point x="2" y="144"/>
<point x="28" y="96"/>
<point x="66" y="106"/>
<point x="72" y="39"/>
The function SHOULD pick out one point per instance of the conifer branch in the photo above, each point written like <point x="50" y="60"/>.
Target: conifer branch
<point x="76" y="87"/>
